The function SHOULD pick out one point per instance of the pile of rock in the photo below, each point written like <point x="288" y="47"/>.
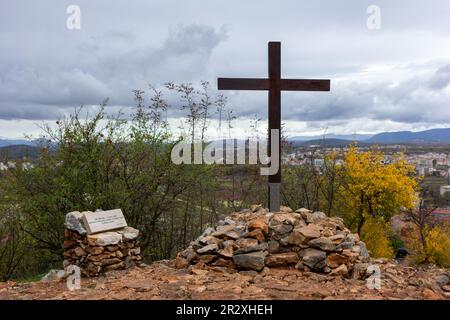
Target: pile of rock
<point x="255" y="239"/>
<point x="100" y="252"/>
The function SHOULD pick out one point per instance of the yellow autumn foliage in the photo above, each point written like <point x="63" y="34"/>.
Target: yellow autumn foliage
<point x="375" y="233"/>
<point x="373" y="188"/>
<point x="438" y="245"/>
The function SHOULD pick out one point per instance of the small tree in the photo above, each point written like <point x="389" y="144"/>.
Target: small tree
<point x="372" y="188"/>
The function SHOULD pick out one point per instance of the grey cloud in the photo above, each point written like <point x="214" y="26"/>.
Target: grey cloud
<point x="46" y="70"/>
<point x="110" y="65"/>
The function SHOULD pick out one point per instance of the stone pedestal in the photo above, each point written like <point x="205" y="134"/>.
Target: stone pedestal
<point x="100" y="252"/>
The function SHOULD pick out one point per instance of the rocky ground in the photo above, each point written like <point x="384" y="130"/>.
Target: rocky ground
<point x="162" y="280"/>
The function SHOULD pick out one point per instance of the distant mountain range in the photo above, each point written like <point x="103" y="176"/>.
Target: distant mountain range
<point x="18" y="148"/>
<point x="428" y="136"/>
<point x="17" y="142"/>
<point x="433" y="135"/>
<point x="353" y="137"/>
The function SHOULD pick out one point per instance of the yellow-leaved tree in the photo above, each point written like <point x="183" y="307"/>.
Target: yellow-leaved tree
<point x="374" y="189"/>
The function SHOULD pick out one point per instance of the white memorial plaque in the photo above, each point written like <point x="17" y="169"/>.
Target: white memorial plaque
<point x="104" y="220"/>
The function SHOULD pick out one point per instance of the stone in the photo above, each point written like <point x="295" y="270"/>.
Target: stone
<point x="96" y="250"/>
<point x="210" y="248"/>
<point x="273" y="246"/>
<point x="280" y="230"/>
<point x="207" y="258"/>
<point x="227" y="263"/>
<point x="282" y="259"/>
<point x="116" y="266"/>
<point x="260" y="247"/>
<point x="250" y="261"/>
<point x="129" y="233"/>
<point x="303" y="210"/>
<point x="301" y="235"/>
<point x="360" y="271"/>
<point x="191" y="255"/>
<point x="322" y="243"/>
<point x="208" y="231"/>
<point x="315" y="217"/>
<point x="282" y="218"/>
<point x="79" y="251"/>
<point x="446" y="288"/>
<point x="286" y="209"/>
<point x="334" y="260"/>
<point x="74" y="222"/>
<point x="363" y="252"/>
<point x="181" y="263"/>
<point x="257" y="234"/>
<point x="135" y="251"/>
<point x="431" y="295"/>
<point x="338" y="238"/>
<point x="340" y="271"/>
<point x="312" y="257"/>
<point x="104" y="239"/>
<point x="100" y="257"/>
<point x="69" y="244"/>
<point x="226" y="231"/>
<point x="246" y="242"/>
<point x="53" y="275"/>
<point x="227" y="251"/>
<point x="258" y="224"/>
<point x="93" y="269"/>
<point x="300" y="266"/>
<point x="442" y="280"/>
<point x="101" y="221"/>
<point x="345" y="245"/>
<point x="209" y="240"/>
<point x="106" y="262"/>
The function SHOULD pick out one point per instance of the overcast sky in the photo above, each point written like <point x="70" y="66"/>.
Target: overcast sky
<point x="394" y="78"/>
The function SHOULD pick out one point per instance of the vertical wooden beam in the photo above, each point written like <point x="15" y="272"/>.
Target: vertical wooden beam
<point x="275" y="119"/>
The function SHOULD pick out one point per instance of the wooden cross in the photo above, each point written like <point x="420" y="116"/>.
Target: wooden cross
<point x="274" y="84"/>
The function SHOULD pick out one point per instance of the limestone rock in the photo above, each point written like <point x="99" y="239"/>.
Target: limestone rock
<point x="257" y="234"/>
<point x="334" y="260"/>
<point x="210" y="248"/>
<point x="322" y="243"/>
<point x="258" y="224"/>
<point x="246" y="243"/>
<point x="250" y="261"/>
<point x="301" y="235"/>
<point x="282" y="259"/>
<point x="129" y="233"/>
<point x="227" y="251"/>
<point x="254" y="239"/>
<point x="312" y="257"/>
<point x="74" y="222"/>
<point x="104" y="239"/>
<point x="340" y="271"/>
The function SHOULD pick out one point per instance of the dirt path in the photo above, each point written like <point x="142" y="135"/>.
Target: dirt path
<point x="162" y="281"/>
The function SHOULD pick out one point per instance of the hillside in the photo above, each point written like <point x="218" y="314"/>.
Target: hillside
<point x="18" y="152"/>
<point x="162" y="281"/>
<point x="434" y="135"/>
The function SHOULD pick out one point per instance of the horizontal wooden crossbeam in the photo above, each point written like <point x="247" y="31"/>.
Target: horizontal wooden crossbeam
<point x="264" y="84"/>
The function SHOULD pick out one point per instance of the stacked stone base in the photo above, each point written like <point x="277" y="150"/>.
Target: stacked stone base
<point x="255" y="239"/>
<point x="102" y="252"/>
